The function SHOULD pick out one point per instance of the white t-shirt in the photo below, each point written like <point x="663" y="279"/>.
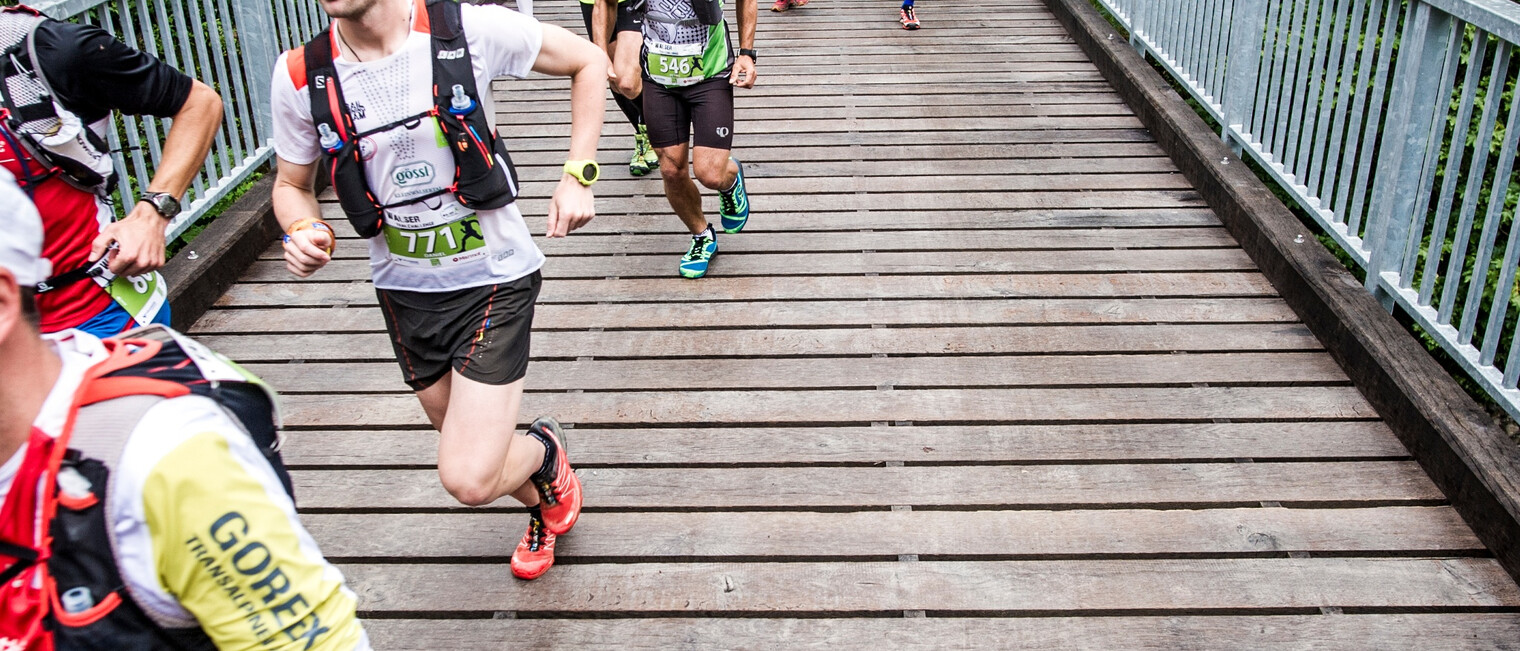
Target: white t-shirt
<point x="420" y="251"/>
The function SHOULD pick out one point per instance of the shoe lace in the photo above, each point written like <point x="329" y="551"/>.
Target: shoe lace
<point x="698" y="246"/>
<point x="536" y="533"/>
<point x="727" y="199"/>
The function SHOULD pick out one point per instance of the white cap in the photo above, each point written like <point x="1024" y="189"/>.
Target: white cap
<point x="21" y="234"/>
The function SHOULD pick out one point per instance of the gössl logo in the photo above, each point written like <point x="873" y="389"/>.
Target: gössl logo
<point x="414" y="174"/>
<point x="444" y="55"/>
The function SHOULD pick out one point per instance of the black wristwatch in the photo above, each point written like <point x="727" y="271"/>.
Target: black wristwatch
<point x="163" y="202"/>
<point x="743" y="52"/>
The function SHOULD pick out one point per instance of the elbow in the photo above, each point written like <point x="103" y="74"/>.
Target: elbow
<point x="203" y="103"/>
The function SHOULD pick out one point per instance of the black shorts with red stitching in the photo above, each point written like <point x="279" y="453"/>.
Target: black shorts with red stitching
<point x="482" y="332"/>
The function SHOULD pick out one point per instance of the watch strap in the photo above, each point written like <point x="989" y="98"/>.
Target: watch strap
<point x="748" y="53"/>
<point x="577" y="169"/>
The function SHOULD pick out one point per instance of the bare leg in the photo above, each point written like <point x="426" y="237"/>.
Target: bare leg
<point x="714" y="168"/>
<point x="480" y="455"/>
<point x="625" y="62"/>
<point x="685" y="198"/>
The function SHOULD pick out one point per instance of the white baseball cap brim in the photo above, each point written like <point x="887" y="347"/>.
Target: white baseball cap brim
<point x="21" y="234"/>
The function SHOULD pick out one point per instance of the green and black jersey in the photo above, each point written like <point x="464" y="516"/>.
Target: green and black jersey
<point x="678" y="49"/>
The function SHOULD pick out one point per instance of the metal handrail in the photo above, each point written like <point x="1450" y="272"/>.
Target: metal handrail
<point x="1375" y="116"/>
<point x="230" y="45"/>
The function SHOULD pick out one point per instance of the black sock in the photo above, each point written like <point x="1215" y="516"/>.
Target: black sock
<point x="535" y="513"/>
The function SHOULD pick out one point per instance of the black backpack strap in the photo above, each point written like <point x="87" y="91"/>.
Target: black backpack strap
<point x="339" y="138"/>
<point x="484" y="177"/>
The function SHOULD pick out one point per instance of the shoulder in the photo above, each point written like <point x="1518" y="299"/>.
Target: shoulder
<point x="491" y="21"/>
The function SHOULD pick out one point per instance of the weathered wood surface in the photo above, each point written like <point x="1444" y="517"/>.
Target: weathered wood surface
<point x="983" y="371"/>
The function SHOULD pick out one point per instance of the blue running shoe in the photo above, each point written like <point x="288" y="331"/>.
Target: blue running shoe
<point x="733" y="206"/>
<point x="704" y="246"/>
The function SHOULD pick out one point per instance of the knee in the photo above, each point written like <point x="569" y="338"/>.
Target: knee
<point x="469" y="489"/>
<point x="713" y="177"/>
<point x="672" y="170"/>
<point x="629" y="84"/>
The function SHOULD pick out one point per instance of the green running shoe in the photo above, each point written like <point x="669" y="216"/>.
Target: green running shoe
<point x="641" y="162"/>
<point x="733" y="206"/>
<point x="704" y="246"/>
<point x="651" y="157"/>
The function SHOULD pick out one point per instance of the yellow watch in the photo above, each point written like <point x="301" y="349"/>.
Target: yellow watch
<point x="585" y="171"/>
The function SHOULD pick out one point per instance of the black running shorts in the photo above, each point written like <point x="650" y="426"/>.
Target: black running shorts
<point x="482" y="332"/>
<point x="703" y="112"/>
<point x="629" y="19"/>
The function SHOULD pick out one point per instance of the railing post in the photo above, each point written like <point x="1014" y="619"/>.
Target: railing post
<point x="1248" y="26"/>
<point x="1413" y="101"/>
<point x="255" y="33"/>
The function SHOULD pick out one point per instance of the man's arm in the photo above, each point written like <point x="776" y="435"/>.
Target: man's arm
<point x="566" y="55"/>
<point x="140" y="236"/>
<point x="295" y="198"/>
<point x="744" y="67"/>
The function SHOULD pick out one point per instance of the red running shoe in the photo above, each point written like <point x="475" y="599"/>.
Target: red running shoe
<point x="557" y="485"/>
<point x="907" y="18"/>
<point x="535" y="554"/>
<point x="781" y="5"/>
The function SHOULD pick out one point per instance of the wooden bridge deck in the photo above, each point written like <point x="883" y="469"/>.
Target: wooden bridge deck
<point x="983" y="371"/>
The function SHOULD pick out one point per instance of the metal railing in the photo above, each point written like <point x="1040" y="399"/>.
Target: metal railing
<point x="231" y="45"/>
<point x="1379" y="118"/>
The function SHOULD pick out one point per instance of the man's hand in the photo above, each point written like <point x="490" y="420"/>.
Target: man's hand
<point x="572" y="207"/>
<point x="139" y="239"/>
<point x="743" y="74"/>
<point x="306" y="251"/>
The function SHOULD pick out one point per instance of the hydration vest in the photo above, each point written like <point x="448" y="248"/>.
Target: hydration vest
<point x="484" y="177"/>
<point x="49" y="140"/>
<point x="63" y="588"/>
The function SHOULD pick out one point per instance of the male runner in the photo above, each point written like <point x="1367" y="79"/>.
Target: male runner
<point x="626" y="43"/>
<point x="458" y="312"/>
<point x="195" y="544"/>
<point x="689" y="72"/>
<point x="89" y="74"/>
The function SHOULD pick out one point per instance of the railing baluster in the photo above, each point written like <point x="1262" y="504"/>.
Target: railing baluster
<point x="1475" y="174"/>
<point x="1491" y="219"/>
<point x="1470" y="82"/>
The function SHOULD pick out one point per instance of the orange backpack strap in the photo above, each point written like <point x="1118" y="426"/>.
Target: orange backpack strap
<point x="295" y="64"/>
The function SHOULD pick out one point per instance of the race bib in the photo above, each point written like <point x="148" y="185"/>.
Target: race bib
<point x="675" y="65"/>
<point x="141" y="296"/>
<point x="672" y="70"/>
<point x="437" y="245"/>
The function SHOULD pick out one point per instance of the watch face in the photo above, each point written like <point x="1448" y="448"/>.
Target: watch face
<point x="589" y="172"/>
<point x="166" y="204"/>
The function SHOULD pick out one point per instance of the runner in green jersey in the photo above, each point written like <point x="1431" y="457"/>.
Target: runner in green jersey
<point x="689" y="71"/>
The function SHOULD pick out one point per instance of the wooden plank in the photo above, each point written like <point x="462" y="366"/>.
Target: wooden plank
<point x="856" y="373"/>
<point x="1091" y="157"/>
<point x="923" y="444"/>
<point x="1107" y="485"/>
<point x="1457" y="632"/>
<point x="720" y="288"/>
<point x="823" y="264"/>
<point x="811" y="221"/>
<point x="860" y="407"/>
<point x="655" y="203"/>
<point x="885" y="535"/>
<point x="811" y="313"/>
<point x="1041" y="340"/>
<point x="746" y="141"/>
<point x="942" y="587"/>
<point x="746" y="113"/>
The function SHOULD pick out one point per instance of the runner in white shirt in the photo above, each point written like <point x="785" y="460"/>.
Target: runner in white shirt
<point x="457" y="286"/>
